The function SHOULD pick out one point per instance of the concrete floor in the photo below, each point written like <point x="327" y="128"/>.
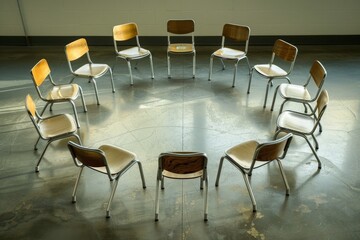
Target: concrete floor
<point x="187" y="114"/>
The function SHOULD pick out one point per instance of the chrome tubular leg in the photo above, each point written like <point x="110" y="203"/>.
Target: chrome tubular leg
<point x="168" y="66"/>
<point x="77" y="184"/>
<point x="314" y="152"/>
<point x="42" y="154"/>
<point x="112" y="80"/>
<point x="210" y="68"/>
<point x="284" y="178"/>
<point x="235" y="72"/>
<point x="82" y="99"/>
<point x="206" y="199"/>
<point x="194" y="64"/>
<point x="141" y="174"/>
<point x="219" y="171"/>
<point x="266" y="93"/>
<point x="152" y="67"/>
<point x="75" y="113"/>
<point x="248" y="186"/>
<point x="116" y="181"/>
<point x="96" y="90"/>
<point x="250" y="77"/>
<point x="157" y="199"/>
<point x="130" y="72"/>
<point x="274" y="98"/>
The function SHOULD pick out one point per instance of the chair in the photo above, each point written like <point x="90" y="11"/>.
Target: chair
<point x="182" y="165"/>
<point x="58" y="92"/>
<point x="126" y="32"/>
<point x="301" y="93"/>
<point x="283" y="53"/>
<point x="107" y="159"/>
<point x="250" y="155"/>
<point x="234" y="33"/>
<point x="175" y="29"/>
<point x="51" y="128"/>
<point x="303" y="124"/>
<point x="74" y="52"/>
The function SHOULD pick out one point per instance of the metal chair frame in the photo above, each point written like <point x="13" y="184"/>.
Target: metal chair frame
<point x="91" y="71"/>
<point x="40" y="72"/>
<point x="262" y="154"/>
<point x="282" y="51"/>
<point x="235" y="33"/>
<point x="96" y="159"/>
<point x="182" y="165"/>
<point x="41" y="123"/>
<point x="317" y="74"/>
<point x="175" y="29"/>
<point x="126" y="32"/>
<point x="301" y="118"/>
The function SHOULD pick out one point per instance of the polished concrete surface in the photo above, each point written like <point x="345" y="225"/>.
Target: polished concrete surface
<point x="180" y="114"/>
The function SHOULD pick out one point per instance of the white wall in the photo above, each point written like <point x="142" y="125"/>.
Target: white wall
<point x="97" y="17"/>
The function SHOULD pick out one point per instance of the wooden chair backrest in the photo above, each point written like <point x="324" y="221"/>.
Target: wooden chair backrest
<point x="183" y="163"/>
<point x="183" y="26"/>
<point x="40" y="72"/>
<point x="76" y="49"/>
<point x="87" y="156"/>
<point x="125" y="31"/>
<point x="30" y="106"/>
<point x="236" y="32"/>
<point x="285" y="50"/>
<point x="273" y="150"/>
<point x="322" y="102"/>
<point x="318" y="73"/>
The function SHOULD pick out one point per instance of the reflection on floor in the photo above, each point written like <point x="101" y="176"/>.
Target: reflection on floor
<point x="176" y="114"/>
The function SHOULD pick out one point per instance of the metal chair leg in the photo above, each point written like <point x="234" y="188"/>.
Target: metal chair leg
<point x="116" y="181"/>
<point x="112" y="80"/>
<point x="130" y="72"/>
<point x="168" y="66"/>
<point x="250" y="77"/>
<point x="152" y="67"/>
<point x="274" y="98"/>
<point x="206" y="199"/>
<point x="96" y="90"/>
<point x="141" y="174"/>
<point x="284" y="177"/>
<point x="82" y="99"/>
<point x="235" y="73"/>
<point x="77" y="184"/>
<point x="194" y="64"/>
<point x="219" y="171"/>
<point x="158" y="182"/>
<point x="248" y="186"/>
<point x="211" y="66"/>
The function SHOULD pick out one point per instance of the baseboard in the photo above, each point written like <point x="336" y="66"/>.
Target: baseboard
<point x="162" y="41"/>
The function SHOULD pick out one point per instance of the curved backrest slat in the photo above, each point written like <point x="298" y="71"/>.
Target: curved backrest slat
<point x="125" y="31"/>
<point x="40" y="71"/>
<point x="183" y="163"/>
<point x="76" y="49"/>
<point x="181" y="26"/>
<point x="236" y="32"/>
